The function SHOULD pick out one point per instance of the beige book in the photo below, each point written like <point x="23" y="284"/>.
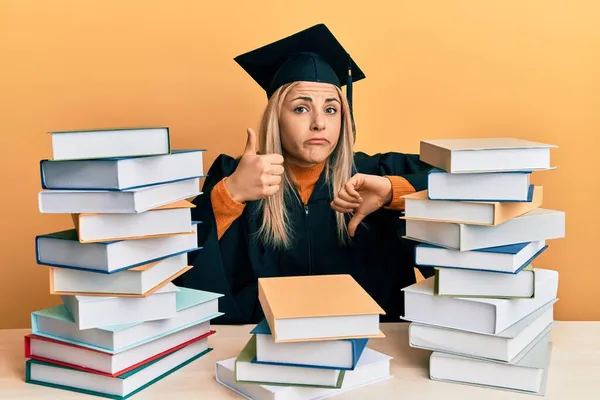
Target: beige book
<point x="419" y="207"/>
<point x="318" y="307"/>
<point x="486" y="154"/>
<point x="170" y="219"/>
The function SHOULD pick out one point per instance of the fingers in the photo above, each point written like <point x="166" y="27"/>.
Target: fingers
<point x="270" y="190"/>
<point x="250" y="148"/>
<point x="351" y="186"/>
<point x="344" y="195"/>
<point x="274" y="159"/>
<point x="341" y="205"/>
<point x="271" y="180"/>
<point x="275" y="169"/>
<point x="354" y="222"/>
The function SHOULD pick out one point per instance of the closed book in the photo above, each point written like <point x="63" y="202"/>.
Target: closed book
<point x="527" y="374"/>
<point x="120" y="387"/>
<point x="268" y="374"/>
<point x="486" y="154"/>
<point x="466" y="283"/>
<point x="140" y="281"/>
<point x="95" y="311"/>
<point x="419" y="207"/>
<point x="372" y="367"/>
<point x="53" y="201"/>
<point x="480" y="315"/>
<point x="101" y="143"/>
<point x="337" y="354"/>
<point x="78" y="357"/>
<point x="170" y="219"/>
<point x="503" y="346"/>
<point x="318" y="307"/>
<point x="121" y="173"/>
<point x="509" y="259"/>
<point x="194" y="307"/>
<point x="63" y="249"/>
<point x="485" y="186"/>
<point x="535" y="225"/>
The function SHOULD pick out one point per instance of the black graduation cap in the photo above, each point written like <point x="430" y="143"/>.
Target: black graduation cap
<point x="312" y="55"/>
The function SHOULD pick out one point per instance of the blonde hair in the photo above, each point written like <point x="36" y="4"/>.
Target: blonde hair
<point x="275" y="228"/>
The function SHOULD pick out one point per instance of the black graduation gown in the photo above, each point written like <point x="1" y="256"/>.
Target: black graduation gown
<point x="378" y="258"/>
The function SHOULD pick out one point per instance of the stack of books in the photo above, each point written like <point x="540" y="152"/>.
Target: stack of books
<point x="122" y="325"/>
<point x="487" y="313"/>
<point x="312" y="343"/>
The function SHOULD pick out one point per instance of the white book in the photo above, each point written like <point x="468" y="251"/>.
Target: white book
<point x="340" y="354"/>
<point x="504" y="346"/>
<point x="467" y="283"/>
<point x="121" y="173"/>
<point x="42" y="373"/>
<point x="372" y="367"/>
<point x="110" y="201"/>
<point x="486" y="155"/>
<point x="528" y="374"/>
<point x="102" y="143"/>
<point x="62" y="249"/>
<point x="490" y="186"/>
<point x="97" y="311"/>
<point x="138" y="281"/>
<point x="538" y="224"/>
<point x="505" y="259"/>
<point x="480" y="315"/>
<point x="419" y="207"/>
<point x="193" y="307"/>
<point x="169" y="219"/>
<point x="79" y="357"/>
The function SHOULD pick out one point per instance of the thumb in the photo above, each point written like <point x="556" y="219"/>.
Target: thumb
<point x="354" y="222"/>
<point x="250" y="143"/>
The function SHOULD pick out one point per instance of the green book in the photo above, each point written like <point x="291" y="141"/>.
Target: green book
<point x="248" y="370"/>
<point x="119" y="387"/>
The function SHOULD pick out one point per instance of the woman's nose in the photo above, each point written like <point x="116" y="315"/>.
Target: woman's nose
<point x="318" y="123"/>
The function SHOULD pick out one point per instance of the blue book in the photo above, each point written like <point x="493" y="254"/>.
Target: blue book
<point x="510" y="186"/>
<point x="63" y="249"/>
<point x="122" y="173"/>
<point x="341" y="354"/>
<point x="504" y="259"/>
<point x="193" y="307"/>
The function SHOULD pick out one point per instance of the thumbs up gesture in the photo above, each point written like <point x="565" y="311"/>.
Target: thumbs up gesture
<point x="256" y="176"/>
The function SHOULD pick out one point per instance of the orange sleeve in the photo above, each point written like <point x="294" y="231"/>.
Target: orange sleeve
<point x="400" y="187"/>
<point x="225" y="208"/>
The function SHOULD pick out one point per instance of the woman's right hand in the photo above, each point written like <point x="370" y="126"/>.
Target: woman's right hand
<point x="256" y="176"/>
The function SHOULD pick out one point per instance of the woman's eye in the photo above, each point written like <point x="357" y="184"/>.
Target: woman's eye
<point x="331" y="110"/>
<point x="300" y="109"/>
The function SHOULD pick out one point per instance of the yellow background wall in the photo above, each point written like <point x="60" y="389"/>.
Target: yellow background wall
<point x="435" y="69"/>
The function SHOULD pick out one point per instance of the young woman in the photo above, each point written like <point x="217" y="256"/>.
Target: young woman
<point x="305" y="202"/>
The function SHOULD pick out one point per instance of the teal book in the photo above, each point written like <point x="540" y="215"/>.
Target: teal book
<point x="193" y="307"/>
<point x="119" y="387"/>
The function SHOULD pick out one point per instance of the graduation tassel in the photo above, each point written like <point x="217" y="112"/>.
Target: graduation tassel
<point x="349" y="95"/>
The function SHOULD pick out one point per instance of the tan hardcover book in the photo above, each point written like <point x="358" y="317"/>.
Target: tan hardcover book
<point x="95" y="227"/>
<point x="486" y="154"/>
<point x="419" y="207"/>
<point x="318" y="307"/>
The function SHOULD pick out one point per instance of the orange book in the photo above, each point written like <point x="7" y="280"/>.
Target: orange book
<point x="419" y="207"/>
<point x="169" y="219"/>
<point x="318" y="307"/>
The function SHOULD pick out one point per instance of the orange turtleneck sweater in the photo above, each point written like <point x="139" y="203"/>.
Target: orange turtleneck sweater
<point x="227" y="210"/>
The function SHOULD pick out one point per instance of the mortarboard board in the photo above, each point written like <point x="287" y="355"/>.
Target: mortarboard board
<point x="312" y="55"/>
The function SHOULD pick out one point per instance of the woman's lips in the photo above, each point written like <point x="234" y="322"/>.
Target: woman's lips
<point x="317" y="141"/>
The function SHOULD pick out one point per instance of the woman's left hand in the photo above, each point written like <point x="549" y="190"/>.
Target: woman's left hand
<point x="362" y="194"/>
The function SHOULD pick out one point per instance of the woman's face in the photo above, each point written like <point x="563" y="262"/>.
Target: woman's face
<point x="310" y="121"/>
